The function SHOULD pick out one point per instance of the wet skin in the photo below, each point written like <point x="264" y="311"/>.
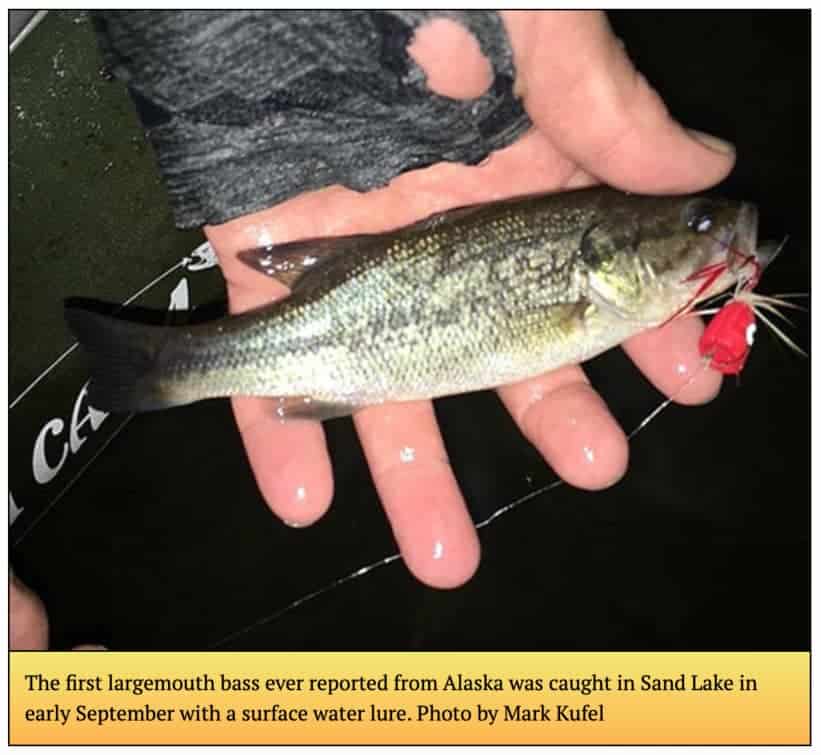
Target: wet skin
<point x="596" y="120"/>
<point x="601" y="122"/>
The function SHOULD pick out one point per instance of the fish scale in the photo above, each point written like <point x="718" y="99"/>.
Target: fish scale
<point x="467" y="299"/>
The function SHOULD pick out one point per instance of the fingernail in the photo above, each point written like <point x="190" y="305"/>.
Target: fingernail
<point x="712" y="142"/>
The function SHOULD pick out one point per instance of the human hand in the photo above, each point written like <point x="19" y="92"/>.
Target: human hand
<point x="28" y="624"/>
<point x="595" y="119"/>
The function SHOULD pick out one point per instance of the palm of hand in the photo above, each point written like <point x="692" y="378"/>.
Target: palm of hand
<point x="558" y="412"/>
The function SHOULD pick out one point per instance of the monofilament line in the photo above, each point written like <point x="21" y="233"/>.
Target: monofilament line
<point x="368" y="568"/>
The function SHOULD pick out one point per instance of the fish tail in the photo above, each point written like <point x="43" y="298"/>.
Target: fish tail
<point x="125" y="362"/>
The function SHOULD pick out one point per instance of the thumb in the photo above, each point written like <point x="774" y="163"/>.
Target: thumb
<point x="583" y="93"/>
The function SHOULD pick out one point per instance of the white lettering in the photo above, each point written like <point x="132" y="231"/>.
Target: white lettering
<point x="179" y="296"/>
<point x="93" y="416"/>
<point x="43" y="471"/>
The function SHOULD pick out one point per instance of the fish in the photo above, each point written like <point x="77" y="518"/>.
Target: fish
<point x="465" y="300"/>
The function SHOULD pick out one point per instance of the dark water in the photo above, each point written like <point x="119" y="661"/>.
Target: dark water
<point x="163" y="541"/>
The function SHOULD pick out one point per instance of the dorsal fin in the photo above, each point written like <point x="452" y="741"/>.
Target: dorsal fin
<point x="289" y="262"/>
<point x="293" y="260"/>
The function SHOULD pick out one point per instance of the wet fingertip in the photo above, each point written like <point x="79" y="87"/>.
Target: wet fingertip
<point x="445" y="567"/>
<point x="669" y="357"/>
<point x="294" y="525"/>
<point x="301" y="505"/>
<point x="436" y="537"/>
<point x="600" y="463"/>
<point x="619" y="456"/>
<point x="298" y="490"/>
<point x="703" y="389"/>
<point x="307" y="521"/>
<point x="577" y="436"/>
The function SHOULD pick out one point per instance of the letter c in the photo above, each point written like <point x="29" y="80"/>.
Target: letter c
<point x="43" y="471"/>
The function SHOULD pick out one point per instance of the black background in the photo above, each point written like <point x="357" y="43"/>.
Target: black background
<point x="165" y="543"/>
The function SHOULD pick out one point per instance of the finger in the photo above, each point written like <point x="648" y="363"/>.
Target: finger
<point x="28" y="623"/>
<point x="670" y="359"/>
<point x="289" y="460"/>
<point x="570" y="425"/>
<point x="582" y="91"/>
<point x="414" y="480"/>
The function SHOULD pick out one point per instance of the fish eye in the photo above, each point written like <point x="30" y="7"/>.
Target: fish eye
<point x="698" y="216"/>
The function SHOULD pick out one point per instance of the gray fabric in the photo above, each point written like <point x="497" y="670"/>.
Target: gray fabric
<point x="248" y="108"/>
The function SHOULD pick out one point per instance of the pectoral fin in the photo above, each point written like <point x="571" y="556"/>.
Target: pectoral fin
<point x="305" y="407"/>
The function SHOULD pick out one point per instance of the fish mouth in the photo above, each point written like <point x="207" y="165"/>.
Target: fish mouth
<point x="737" y="249"/>
<point x="744" y="237"/>
<point x="768" y="251"/>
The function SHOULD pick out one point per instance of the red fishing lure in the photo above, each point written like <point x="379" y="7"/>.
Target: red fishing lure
<point x="728" y="337"/>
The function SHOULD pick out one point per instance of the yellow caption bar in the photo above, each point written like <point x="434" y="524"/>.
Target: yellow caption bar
<point x="409" y="698"/>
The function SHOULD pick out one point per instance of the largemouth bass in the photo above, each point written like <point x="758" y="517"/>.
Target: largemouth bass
<point x="468" y="299"/>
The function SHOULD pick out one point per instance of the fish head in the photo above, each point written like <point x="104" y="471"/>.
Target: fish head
<point x="649" y="257"/>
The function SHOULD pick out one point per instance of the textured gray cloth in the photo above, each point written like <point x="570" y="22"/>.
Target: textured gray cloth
<point x="248" y="108"/>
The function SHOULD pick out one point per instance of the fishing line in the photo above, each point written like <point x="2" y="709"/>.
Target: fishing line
<point x="385" y="561"/>
<point x="642" y="425"/>
<point x="183" y="263"/>
<point x="73" y="346"/>
<point x="71" y="482"/>
<point x="368" y="568"/>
